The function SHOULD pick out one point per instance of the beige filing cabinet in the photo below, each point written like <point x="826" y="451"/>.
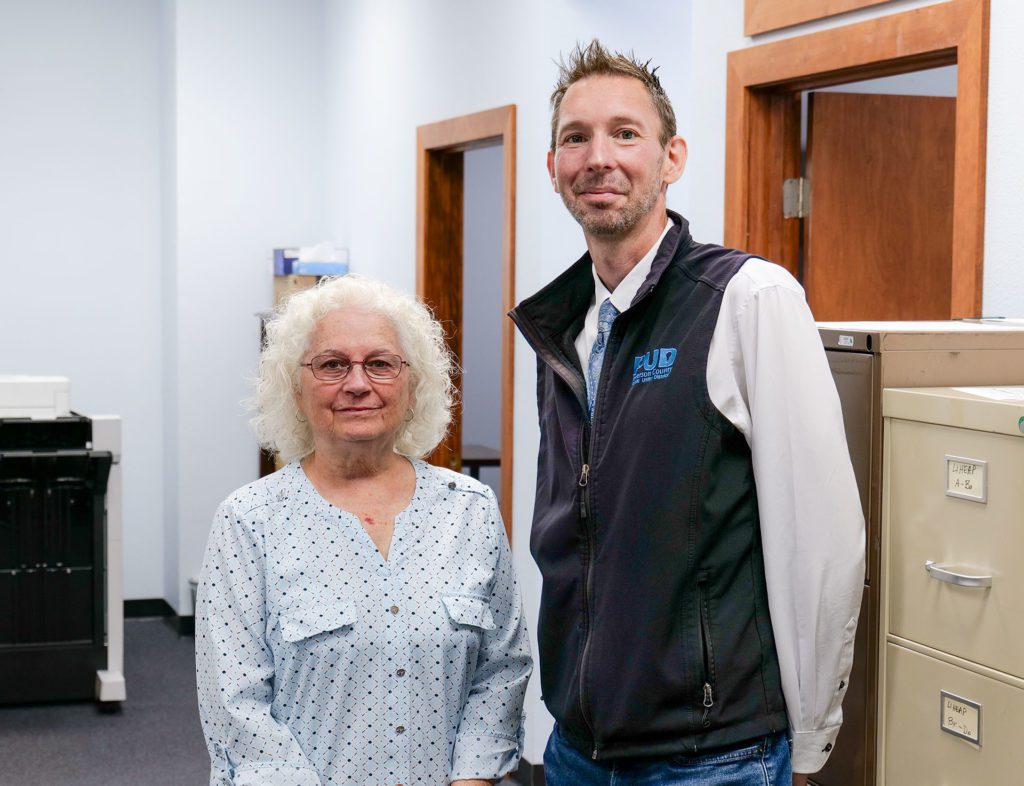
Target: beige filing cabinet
<point x="952" y="654"/>
<point x="866" y="357"/>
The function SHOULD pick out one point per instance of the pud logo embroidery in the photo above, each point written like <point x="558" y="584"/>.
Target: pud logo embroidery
<point x="655" y="364"/>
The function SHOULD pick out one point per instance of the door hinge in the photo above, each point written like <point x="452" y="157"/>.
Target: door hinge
<point x="796" y="197"/>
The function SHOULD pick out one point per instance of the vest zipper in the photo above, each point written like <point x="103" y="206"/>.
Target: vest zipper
<point x="587" y="439"/>
<point x="585" y="521"/>
<point x="706" y="650"/>
<point x="584" y="479"/>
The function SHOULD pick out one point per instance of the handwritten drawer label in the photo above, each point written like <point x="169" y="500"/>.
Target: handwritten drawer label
<point x="960" y="717"/>
<point x="967" y="478"/>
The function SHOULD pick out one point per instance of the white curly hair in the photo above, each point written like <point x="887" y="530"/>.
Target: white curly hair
<point x="277" y="424"/>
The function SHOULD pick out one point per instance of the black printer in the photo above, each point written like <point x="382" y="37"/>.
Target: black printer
<point x="54" y="561"/>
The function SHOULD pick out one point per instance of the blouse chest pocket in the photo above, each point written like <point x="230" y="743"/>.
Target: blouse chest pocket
<point x="467" y="610"/>
<point x="305" y="622"/>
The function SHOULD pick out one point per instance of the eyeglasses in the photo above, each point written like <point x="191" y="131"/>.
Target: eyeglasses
<point x="332" y="368"/>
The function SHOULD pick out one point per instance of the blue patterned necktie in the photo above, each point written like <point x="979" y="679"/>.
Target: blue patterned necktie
<point x="605" y="317"/>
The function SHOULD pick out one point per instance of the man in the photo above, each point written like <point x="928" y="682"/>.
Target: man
<point x="697" y="522"/>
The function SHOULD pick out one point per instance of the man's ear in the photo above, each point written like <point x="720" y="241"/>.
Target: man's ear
<point x="675" y="159"/>
<point x="551" y="169"/>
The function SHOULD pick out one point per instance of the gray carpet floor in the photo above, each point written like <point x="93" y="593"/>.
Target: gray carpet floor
<point x="153" y="740"/>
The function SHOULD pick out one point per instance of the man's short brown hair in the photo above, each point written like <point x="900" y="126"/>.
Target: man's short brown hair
<point x="594" y="60"/>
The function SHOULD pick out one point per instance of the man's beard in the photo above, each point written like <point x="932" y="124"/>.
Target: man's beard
<point x="612" y="222"/>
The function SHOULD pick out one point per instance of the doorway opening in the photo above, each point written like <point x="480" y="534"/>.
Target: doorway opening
<point x="482" y="316"/>
<point x="876" y="197"/>
<point x="763" y="134"/>
<point x="478" y="333"/>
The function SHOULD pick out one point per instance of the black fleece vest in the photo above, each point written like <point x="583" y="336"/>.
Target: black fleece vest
<point x="654" y="631"/>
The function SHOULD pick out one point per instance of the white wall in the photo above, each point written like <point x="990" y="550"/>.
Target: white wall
<point x="249" y="175"/>
<point x="169" y="578"/>
<point x="151" y="155"/>
<point x="80" y="229"/>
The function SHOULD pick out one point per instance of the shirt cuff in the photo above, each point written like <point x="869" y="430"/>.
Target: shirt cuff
<point x="484" y="756"/>
<point x="811" y="749"/>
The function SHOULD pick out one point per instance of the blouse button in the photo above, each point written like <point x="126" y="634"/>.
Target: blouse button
<point x="400" y="672"/>
<point x="393" y="609"/>
<point x="399" y="729"/>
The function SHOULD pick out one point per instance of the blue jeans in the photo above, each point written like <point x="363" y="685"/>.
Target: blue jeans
<point x="762" y="762"/>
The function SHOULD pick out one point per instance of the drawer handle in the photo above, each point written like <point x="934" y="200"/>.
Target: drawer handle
<point x="960" y="579"/>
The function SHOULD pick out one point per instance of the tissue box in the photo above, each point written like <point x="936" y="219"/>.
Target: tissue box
<point x="284" y="261"/>
<point x="320" y="268"/>
<point x="323" y="259"/>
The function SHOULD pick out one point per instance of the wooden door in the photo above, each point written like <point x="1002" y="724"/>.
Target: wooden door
<point x="439" y="226"/>
<point x="879" y="237"/>
<point x="440" y="286"/>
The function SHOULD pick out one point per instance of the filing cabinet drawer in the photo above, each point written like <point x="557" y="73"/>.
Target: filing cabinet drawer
<point x="918" y="751"/>
<point x="964" y="537"/>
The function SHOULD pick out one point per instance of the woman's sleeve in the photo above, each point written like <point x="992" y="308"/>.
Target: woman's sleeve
<point x="235" y="666"/>
<point x="489" y="741"/>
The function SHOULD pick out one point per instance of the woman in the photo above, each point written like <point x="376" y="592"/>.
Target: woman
<point x="358" y="619"/>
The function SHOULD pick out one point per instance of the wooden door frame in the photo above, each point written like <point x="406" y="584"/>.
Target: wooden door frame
<point x="763" y="123"/>
<point x="760" y="16"/>
<point x="439" y="214"/>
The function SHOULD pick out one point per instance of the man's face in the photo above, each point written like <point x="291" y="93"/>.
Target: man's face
<point x="609" y="165"/>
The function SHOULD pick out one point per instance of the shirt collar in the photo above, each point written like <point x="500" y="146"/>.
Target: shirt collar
<point x="630" y="285"/>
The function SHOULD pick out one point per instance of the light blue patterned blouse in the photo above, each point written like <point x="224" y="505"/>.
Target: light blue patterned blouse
<point x="320" y="662"/>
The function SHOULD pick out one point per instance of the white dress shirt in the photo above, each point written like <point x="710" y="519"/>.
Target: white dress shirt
<point x="767" y="374"/>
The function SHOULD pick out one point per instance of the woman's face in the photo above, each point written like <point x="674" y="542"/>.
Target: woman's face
<point x="358" y="410"/>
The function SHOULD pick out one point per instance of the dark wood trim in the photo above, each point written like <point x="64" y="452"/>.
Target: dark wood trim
<point x="439" y="149"/>
<point x="440" y="285"/>
<point x="969" y="165"/>
<point x="508" y="302"/>
<point x="760" y="16"/>
<point x="779" y="128"/>
<point x="942" y="34"/>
